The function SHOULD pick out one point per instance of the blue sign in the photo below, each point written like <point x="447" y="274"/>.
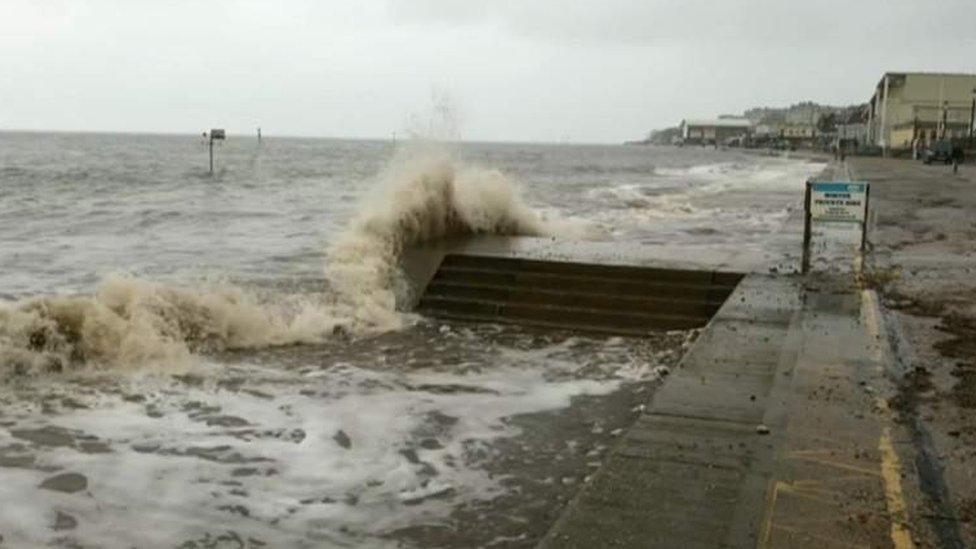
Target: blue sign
<point x="839" y="201"/>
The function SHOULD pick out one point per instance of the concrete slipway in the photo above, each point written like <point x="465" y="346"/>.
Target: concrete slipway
<point x="773" y="433"/>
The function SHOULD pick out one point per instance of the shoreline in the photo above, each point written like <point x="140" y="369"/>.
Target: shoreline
<point x="866" y="382"/>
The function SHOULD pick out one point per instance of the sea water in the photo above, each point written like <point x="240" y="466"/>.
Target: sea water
<point x="188" y="358"/>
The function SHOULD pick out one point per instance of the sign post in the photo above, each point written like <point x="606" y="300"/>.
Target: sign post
<point x="215" y="133"/>
<point x="805" y="265"/>
<point x="834" y="202"/>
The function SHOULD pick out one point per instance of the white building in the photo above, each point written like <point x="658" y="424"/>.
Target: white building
<point x="714" y="131"/>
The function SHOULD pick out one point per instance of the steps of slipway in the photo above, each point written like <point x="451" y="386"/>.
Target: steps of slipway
<point x="613" y="299"/>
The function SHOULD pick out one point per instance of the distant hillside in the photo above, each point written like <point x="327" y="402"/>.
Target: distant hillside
<point x="808" y="112"/>
<point x="664" y="136"/>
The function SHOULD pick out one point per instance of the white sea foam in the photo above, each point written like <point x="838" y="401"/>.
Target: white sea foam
<point x="705" y="193"/>
<point x="282" y="463"/>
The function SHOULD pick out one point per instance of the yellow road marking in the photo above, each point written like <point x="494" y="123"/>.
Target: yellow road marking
<point x="901" y="536"/>
<point x="806" y="492"/>
<point x="822" y="459"/>
<point x="767" y="529"/>
<point x="768" y="526"/>
<point x="897" y="508"/>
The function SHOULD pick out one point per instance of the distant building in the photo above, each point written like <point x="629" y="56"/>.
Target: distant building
<point x="714" y="131"/>
<point x="766" y="131"/>
<point x="853" y="132"/>
<point x="805" y="114"/>
<point x="799" y="135"/>
<point x="909" y="107"/>
<point x="798" y="132"/>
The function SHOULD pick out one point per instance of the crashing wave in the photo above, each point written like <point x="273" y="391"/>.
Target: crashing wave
<point x="132" y="322"/>
<point x="422" y="196"/>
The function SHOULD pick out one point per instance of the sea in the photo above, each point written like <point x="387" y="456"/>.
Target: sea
<point x="202" y="359"/>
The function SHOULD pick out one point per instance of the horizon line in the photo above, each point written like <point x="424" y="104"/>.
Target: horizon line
<point x="264" y="135"/>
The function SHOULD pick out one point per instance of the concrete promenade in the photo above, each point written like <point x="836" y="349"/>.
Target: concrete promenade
<point x="775" y="432"/>
<point x="771" y="434"/>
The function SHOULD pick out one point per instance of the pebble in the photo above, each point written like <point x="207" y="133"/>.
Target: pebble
<point x="342" y="439"/>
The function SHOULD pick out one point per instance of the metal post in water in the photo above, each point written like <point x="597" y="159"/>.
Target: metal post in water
<point x="215" y="134"/>
<point x="972" y="120"/>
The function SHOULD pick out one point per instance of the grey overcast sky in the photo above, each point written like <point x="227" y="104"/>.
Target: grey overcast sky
<point x="523" y="70"/>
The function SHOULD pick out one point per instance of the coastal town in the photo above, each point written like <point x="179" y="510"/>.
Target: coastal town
<point x="906" y="114"/>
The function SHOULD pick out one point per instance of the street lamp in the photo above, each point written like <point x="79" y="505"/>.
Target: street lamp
<point x="972" y="120"/>
<point x="944" y="125"/>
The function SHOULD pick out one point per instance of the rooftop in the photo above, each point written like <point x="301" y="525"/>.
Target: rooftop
<point x="719" y="122"/>
<point x="928" y="73"/>
<point x="897" y="75"/>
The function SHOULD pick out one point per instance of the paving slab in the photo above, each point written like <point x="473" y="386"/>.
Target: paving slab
<point x="769" y="435"/>
<point x="691" y="470"/>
